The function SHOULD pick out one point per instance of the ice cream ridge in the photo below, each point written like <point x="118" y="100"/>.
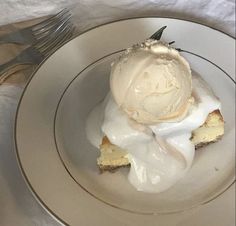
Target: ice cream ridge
<point x="148" y="118"/>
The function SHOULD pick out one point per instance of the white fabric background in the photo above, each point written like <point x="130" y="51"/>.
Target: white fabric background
<point x="217" y="13"/>
<point x="17" y="205"/>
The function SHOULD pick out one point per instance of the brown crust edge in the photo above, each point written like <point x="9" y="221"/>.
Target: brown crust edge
<point x="111" y="169"/>
<point x="203" y="144"/>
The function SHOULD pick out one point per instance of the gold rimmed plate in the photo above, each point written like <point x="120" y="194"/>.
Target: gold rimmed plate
<point x="58" y="162"/>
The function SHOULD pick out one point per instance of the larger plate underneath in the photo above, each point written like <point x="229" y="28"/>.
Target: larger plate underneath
<point x="59" y="164"/>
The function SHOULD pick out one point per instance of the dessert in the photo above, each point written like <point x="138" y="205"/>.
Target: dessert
<point x="154" y="117"/>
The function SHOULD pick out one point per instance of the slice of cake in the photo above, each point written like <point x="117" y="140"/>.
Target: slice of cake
<point x="211" y="131"/>
<point x="113" y="157"/>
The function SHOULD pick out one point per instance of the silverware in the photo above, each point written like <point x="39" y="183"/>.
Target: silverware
<point x="37" y="52"/>
<point x="38" y="31"/>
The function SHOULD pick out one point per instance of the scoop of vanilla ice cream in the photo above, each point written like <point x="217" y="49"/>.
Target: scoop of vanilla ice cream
<point x="152" y="83"/>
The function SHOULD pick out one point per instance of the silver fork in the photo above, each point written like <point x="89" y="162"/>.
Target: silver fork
<point x="36" y="53"/>
<point x="37" y="32"/>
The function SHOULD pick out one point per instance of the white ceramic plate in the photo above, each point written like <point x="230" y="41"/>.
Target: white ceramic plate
<point x="59" y="164"/>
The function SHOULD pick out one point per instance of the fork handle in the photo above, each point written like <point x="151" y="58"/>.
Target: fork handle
<point x="10" y="64"/>
<point x="13" y="37"/>
<point x="4" y="39"/>
<point x="7" y="65"/>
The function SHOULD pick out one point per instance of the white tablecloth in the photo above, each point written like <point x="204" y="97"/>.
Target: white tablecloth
<point x="217" y="13"/>
<point x="17" y="205"/>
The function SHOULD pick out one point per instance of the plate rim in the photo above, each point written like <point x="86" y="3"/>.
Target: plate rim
<point x="30" y="187"/>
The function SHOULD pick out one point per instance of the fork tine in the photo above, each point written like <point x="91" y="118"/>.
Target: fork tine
<point x="66" y="37"/>
<point x="50" y="29"/>
<point x="52" y="24"/>
<point x="67" y="32"/>
<point x="52" y="43"/>
<point x="51" y="19"/>
<point x="46" y="40"/>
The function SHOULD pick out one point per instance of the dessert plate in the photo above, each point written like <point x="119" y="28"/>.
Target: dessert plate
<point x="59" y="164"/>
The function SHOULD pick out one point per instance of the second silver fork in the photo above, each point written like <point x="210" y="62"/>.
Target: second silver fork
<point x="41" y="49"/>
<point x="36" y="32"/>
